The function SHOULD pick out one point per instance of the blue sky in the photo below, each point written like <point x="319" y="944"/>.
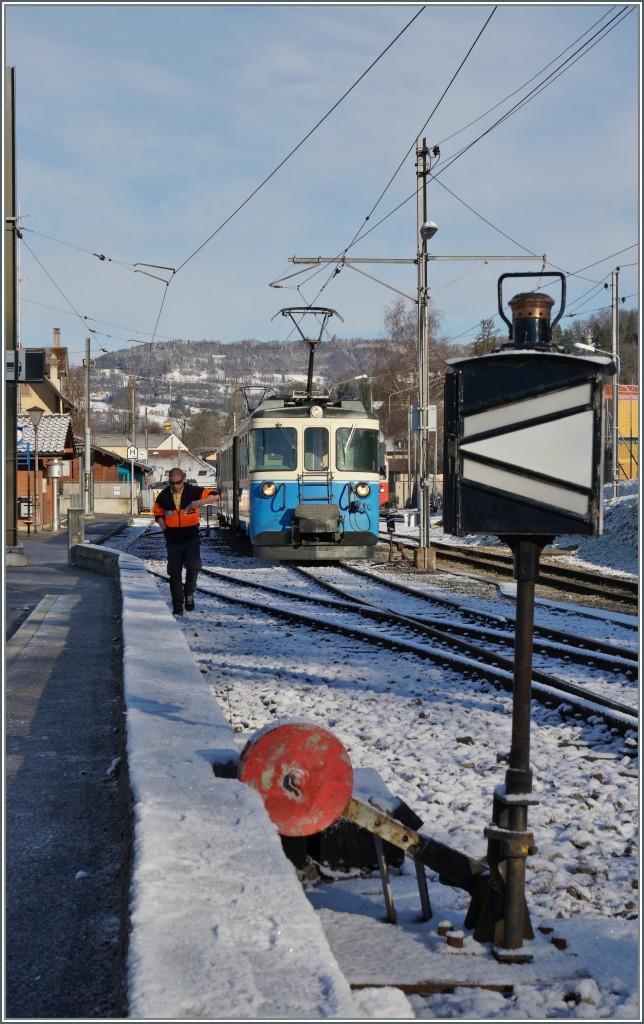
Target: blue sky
<point x="141" y="128"/>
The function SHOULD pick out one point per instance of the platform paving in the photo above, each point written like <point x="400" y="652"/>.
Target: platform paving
<point x="65" y="841"/>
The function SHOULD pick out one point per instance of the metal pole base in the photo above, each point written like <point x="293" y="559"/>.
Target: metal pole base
<point x="425" y="559"/>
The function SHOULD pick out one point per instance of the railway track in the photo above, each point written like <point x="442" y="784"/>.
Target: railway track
<point x="614" y="590"/>
<point x="465" y="657"/>
<point x="478" y="632"/>
<point x="475" y="645"/>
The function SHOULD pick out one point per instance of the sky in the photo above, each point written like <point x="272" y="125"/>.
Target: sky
<point x="220" y="140"/>
<point x="210" y="936"/>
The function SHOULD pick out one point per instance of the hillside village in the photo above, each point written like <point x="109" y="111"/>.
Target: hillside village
<point x="176" y="379"/>
<point x="174" y="400"/>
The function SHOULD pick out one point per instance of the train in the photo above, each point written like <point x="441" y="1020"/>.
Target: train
<point x="301" y="477"/>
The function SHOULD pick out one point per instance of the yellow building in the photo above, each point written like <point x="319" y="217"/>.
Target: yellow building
<point x="627" y="426"/>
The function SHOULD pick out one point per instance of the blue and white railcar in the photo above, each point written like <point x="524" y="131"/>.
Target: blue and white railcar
<point x="301" y="477"/>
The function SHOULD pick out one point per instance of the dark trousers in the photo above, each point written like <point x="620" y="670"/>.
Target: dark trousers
<point x="185" y="553"/>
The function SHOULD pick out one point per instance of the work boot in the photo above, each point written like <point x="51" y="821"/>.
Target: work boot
<point x="190" y="603"/>
<point x="177" y="609"/>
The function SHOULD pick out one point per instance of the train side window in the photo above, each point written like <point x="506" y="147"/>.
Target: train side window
<point x="273" y="448"/>
<point x="357" y="450"/>
<point x="316" y="448"/>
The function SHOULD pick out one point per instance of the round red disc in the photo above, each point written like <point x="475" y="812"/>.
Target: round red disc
<point x="302" y="773"/>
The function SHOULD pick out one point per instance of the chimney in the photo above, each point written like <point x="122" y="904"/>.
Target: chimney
<point x="56" y="337"/>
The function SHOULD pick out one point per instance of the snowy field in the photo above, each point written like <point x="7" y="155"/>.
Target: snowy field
<point x="436" y="745"/>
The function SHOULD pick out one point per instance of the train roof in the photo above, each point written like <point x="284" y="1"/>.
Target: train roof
<point x="296" y="406"/>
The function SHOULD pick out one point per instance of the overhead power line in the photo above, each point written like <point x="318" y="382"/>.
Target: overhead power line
<point x="358" y="234"/>
<point x="59" y="289"/>
<point x="537" y="89"/>
<point x="581" y="51"/>
<point x="302" y="141"/>
<point x="120" y="327"/>
<point x="99" y="255"/>
<point x="527" y="82"/>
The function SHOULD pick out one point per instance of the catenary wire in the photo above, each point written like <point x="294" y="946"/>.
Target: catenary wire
<point x="59" y="289"/>
<point x="587" y="46"/>
<point x="302" y="141"/>
<point x="99" y="255"/>
<point x="358" y="233"/>
<point x="527" y="82"/>
<point x="120" y="327"/>
<point x="549" y="80"/>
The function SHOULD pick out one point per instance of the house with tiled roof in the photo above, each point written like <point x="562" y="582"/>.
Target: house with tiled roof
<point x="59" y="452"/>
<point x="52" y="442"/>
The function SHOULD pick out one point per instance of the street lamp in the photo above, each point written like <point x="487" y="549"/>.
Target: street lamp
<point x="35" y="415"/>
<point x="361" y="376"/>
<point x="393" y="394"/>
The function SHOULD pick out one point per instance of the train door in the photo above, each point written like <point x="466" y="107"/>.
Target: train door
<point x="316" y="449"/>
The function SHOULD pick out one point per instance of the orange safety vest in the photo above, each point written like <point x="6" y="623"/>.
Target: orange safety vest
<point x="180" y="524"/>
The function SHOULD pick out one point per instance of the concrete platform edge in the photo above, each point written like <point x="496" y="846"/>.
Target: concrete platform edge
<point x="19" y="640"/>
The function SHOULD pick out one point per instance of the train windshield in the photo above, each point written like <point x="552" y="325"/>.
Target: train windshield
<point x="273" y="448"/>
<point x="356" y="449"/>
<point x="316" y="448"/>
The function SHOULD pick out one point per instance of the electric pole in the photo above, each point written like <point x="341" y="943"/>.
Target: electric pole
<point x="10" y="316"/>
<point x="615" y="396"/>
<point x="132" y="390"/>
<point x="424" y="557"/>
<point x="87" y="450"/>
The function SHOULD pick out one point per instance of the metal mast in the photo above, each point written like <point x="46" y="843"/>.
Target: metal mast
<point x="615" y="395"/>
<point x="87" y="452"/>
<point x="10" y="317"/>
<point x="422" y="559"/>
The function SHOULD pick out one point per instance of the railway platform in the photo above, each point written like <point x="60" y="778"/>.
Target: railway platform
<point x="118" y="805"/>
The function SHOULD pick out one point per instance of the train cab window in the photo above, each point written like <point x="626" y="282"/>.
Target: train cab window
<point x="356" y="450"/>
<point x="316" y="448"/>
<point x="273" y="448"/>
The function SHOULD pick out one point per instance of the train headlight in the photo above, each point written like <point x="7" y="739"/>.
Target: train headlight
<point x="269" y="489"/>
<point x="363" y="490"/>
<point x="315" y="411"/>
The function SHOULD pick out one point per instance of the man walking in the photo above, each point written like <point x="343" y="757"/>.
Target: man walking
<point x="176" y="510"/>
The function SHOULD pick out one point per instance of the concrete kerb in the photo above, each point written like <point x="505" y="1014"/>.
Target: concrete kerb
<point x="194" y="836"/>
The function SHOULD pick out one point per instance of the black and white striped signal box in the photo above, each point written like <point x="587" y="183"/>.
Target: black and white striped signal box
<point x="524" y="443"/>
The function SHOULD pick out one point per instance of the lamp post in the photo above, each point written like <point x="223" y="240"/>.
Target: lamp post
<point x="35" y="415"/>
<point x="615" y="395"/>
<point x="361" y="376"/>
<point x="425" y="559"/>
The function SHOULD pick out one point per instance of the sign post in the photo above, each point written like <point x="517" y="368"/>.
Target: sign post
<point x="524" y="431"/>
<point x="132" y="454"/>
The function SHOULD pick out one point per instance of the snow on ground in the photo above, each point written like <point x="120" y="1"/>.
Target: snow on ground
<point x="616" y="551"/>
<point x="437" y="747"/>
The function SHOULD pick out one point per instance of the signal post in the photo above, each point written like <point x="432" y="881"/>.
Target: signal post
<point x="524" y="438"/>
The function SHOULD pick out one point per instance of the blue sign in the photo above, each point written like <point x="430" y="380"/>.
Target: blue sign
<point x="23" y="450"/>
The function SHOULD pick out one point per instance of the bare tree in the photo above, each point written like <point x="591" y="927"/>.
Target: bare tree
<point x="487" y="338"/>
